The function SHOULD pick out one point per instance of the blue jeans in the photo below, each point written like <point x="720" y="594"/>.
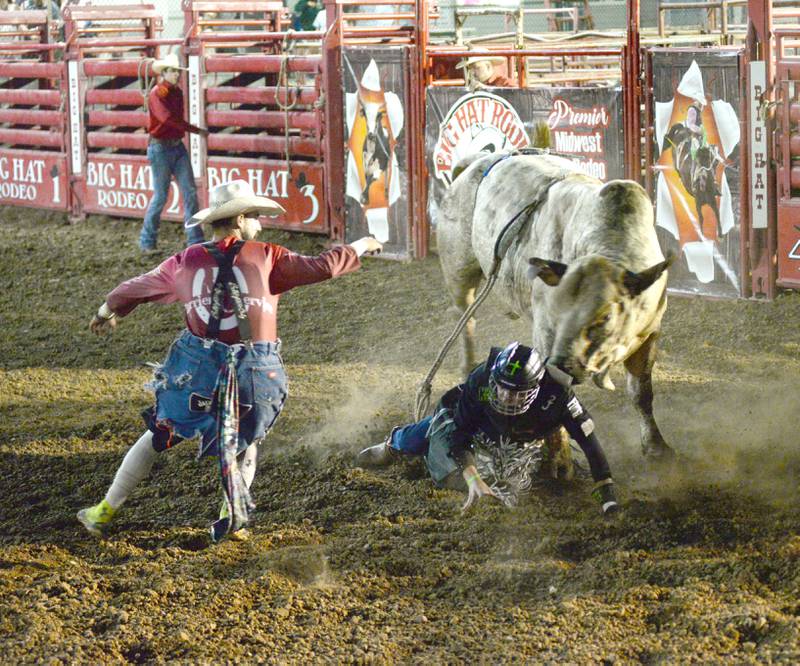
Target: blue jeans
<point x="430" y="438"/>
<point x="166" y="161"/>
<point x="185" y="391"/>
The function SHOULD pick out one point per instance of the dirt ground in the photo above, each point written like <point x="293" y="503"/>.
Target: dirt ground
<point x="352" y="566"/>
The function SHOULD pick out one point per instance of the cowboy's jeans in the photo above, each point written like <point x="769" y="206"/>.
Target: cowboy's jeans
<point x="166" y="161"/>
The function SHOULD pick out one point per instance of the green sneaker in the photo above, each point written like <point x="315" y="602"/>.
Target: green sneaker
<point x="242" y="534"/>
<point x="97" y="518"/>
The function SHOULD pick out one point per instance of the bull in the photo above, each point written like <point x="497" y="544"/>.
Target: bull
<point x="584" y="267"/>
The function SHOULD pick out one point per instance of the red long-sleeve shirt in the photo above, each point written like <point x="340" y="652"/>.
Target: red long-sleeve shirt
<point x="500" y="81"/>
<point x="263" y="271"/>
<point x="165" y="104"/>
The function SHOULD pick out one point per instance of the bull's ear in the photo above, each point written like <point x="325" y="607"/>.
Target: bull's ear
<point x="549" y="272"/>
<point x="636" y="283"/>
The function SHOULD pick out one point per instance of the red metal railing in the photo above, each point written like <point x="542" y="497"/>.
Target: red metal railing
<point x="33" y="143"/>
<point x="787" y="155"/>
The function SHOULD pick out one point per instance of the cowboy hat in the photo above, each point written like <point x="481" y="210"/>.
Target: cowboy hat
<point x="497" y="60"/>
<point x="170" y="61"/>
<point x="231" y="200"/>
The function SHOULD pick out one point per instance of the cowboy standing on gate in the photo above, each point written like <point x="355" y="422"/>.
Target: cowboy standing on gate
<point x="167" y="154"/>
<point x="483" y="430"/>
<point x="223" y="378"/>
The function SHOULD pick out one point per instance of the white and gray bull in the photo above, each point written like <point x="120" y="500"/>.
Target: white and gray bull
<point x="585" y="268"/>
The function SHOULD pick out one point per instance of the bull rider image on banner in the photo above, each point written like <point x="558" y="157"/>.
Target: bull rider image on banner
<point x="374" y="120"/>
<point x="696" y="136"/>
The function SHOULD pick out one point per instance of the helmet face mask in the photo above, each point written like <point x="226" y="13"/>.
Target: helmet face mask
<point x="511" y="402"/>
<point x="514" y="379"/>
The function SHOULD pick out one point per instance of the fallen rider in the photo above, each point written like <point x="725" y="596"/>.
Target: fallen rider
<point x="487" y="425"/>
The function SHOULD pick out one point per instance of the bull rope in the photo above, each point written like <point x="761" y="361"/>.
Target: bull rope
<point x="423" y="398"/>
<point x="286" y="105"/>
<point x="143" y="77"/>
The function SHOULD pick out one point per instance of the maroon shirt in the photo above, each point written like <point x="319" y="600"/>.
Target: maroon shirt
<point x="263" y="271"/>
<point x="500" y="81"/>
<point x="165" y="104"/>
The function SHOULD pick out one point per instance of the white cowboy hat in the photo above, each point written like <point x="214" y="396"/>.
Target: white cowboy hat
<point x="497" y="60"/>
<point x="232" y="199"/>
<point x="171" y="61"/>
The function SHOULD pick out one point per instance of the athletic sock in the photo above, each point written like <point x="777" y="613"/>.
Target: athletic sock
<point x="135" y="466"/>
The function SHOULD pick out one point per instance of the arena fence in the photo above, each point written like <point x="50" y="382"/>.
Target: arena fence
<point x="33" y="91"/>
<point x="345" y="127"/>
<point x="787" y="155"/>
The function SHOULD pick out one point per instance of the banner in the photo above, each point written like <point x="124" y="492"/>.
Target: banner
<point x="299" y="192"/>
<point x="697" y="134"/>
<point x="376" y="147"/>
<point x="585" y="124"/>
<point x="123" y="185"/>
<point x="32" y="178"/>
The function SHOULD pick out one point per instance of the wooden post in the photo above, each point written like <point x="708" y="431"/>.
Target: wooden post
<point x="762" y="240"/>
<point x="632" y="95"/>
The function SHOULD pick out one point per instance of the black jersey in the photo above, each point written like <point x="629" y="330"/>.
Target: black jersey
<point x="553" y="407"/>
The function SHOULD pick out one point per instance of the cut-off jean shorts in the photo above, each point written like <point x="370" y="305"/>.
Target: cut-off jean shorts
<point x="185" y="388"/>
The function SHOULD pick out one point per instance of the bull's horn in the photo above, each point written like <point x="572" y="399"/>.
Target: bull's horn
<point x="636" y="283"/>
<point x="549" y="272"/>
<point x="602" y="380"/>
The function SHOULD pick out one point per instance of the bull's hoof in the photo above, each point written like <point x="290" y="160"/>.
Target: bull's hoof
<point x="660" y="455"/>
<point x="557" y="471"/>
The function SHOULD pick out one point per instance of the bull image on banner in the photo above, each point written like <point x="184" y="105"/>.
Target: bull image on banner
<point x="698" y="136"/>
<point x="583" y="124"/>
<point x="374" y="124"/>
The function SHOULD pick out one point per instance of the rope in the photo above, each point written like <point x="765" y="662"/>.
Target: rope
<point x="144" y="79"/>
<point x="283" y="78"/>
<point x="424" y="392"/>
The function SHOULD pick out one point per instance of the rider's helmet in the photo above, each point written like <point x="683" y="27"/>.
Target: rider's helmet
<point x="514" y="379"/>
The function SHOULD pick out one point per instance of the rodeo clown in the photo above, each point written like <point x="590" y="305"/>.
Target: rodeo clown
<point x="485" y="428"/>
<point x="223" y="378"/>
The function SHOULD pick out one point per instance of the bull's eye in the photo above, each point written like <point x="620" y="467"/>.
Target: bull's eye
<point x="595" y="331"/>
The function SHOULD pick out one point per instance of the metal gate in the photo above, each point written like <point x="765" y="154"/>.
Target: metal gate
<point x="33" y="148"/>
<point x="787" y="155"/>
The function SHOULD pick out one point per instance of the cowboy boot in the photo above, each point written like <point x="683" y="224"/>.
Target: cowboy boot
<point x="378" y="455"/>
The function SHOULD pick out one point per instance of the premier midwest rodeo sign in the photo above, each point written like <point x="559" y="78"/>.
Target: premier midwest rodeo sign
<point x="585" y="126"/>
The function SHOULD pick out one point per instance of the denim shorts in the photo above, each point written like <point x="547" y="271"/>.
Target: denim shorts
<point x="185" y="388"/>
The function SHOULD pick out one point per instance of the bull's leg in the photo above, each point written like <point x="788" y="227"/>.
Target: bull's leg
<point x="640" y="388"/>
<point x="558" y="456"/>
<point x="698" y="204"/>
<point x="715" y="209"/>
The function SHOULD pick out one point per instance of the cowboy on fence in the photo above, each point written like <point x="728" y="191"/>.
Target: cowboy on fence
<point x="481" y="72"/>
<point x="223" y="378"/>
<point x="167" y="154"/>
